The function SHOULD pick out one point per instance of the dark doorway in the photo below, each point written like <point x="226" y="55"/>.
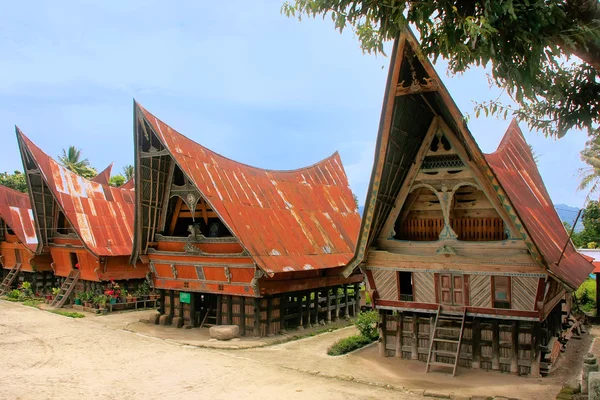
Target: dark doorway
<point x="74" y="260"/>
<point x="405" y="286"/>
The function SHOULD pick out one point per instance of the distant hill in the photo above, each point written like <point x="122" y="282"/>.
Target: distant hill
<point x="565" y="212"/>
<point x="568" y="214"/>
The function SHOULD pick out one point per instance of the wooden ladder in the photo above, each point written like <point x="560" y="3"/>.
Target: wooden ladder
<point x="9" y="279"/>
<point x="441" y="322"/>
<point x="210" y="318"/>
<point x="66" y="289"/>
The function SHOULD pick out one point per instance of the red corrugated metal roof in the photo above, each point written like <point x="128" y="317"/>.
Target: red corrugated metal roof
<point x="104" y="176"/>
<point x="101" y="215"/>
<point x="287" y="220"/>
<point x="15" y="210"/>
<point x="515" y="168"/>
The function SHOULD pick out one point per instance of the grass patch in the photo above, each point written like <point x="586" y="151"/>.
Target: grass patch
<point x="586" y="296"/>
<point x="68" y="313"/>
<point x="349" y="344"/>
<point x="32" y="303"/>
<point x="10" y="299"/>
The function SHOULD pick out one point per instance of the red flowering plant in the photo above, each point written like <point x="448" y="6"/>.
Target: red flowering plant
<point x="114" y="291"/>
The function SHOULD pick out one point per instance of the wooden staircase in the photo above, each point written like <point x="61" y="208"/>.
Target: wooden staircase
<point x="446" y="332"/>
<point x="9" y="279"/>
<point x="209" y="318"/>
<point x="66" y="289"/>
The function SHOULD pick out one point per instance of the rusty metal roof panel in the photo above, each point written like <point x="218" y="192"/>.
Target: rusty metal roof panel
<point x="101" y="215"/>
<point x="15" y="210"/>
<point x="104" y="176"/>
<point x="517" y="172"/>
<point x="287" y="220"/>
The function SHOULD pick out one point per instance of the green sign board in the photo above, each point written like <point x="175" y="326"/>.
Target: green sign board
<point x="184" y="297"/>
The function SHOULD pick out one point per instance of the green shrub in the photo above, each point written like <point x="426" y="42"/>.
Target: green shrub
<point x="32" y="303"/>
<point x="14" y="294"/>
<point x="68" y="314"/>
<point x="366" y="323"/>
<point x="348" y="344"/>
<point x="586" y="295"/>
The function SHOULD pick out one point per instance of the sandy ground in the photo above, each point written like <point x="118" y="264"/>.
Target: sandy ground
<point x="43" y="355"/>
<point x="48" y="356"/>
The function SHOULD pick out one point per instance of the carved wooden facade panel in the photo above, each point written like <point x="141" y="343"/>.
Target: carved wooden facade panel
<point x="424" y="287"/>
<point x="480" y="289"/>
<point x="387" y="284"/>
<point x="524" y="290"/>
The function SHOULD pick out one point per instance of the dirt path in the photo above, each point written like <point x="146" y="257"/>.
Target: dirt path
<point x="47" y="356"/>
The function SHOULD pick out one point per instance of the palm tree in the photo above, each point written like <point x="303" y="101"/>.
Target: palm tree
<point x="128" y="171"/>
<point x="590" y="176"/>
<point x="71" y="160"/>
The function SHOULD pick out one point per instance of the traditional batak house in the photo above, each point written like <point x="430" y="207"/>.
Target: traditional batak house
<point x="18" y="244"/>
<point x="87" y="226"/>
<point x="467" y="259"/>
<point x="233" y="244"/>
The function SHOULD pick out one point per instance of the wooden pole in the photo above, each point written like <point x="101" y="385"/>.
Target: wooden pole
<point x="172" y="306"/>
<point x="495" y="344"/>
<point x="219" y="308"/>
<point x="337" y="302"/>
<point x="476" y="343"/>
<point x="256" y="317"/>
<point x="282" y="307"/>
<point x="382" y="332"/>
<point x="399" y="322"/>
<point x="269" y="315"/>
<point x="316" y="308"/>
<point x="535" y="349"/>
<point x="300" y="303"/>
<point x="415" y="335"/>
<point x="193" y="309"/>
<point x="356" y="299"/>
<point x="243" y="315"/>
<point x="597" y="294"/>
<point x="514" y="347"/>
<point x="230" y="310"/>
<point x="307" y="303"/>
<point x="329" y="305"/>
<point x="347" y="309"/>
<point x="161" y="310"/>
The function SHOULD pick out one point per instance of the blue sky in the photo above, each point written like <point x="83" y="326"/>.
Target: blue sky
<point x="244" y="81"/>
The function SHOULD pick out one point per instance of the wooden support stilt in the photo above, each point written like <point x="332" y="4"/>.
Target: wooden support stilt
<point x="495" y="345"/>
<point x="514" y="347"/>
<point x="535" y="349"/>
<point x="476" y="343"/>
<point x="300" y="303"/>
<point x="382" y="332"/>
<point x="243" y="316"/>
<point x="172" y="305"/>
<point x="230" y="310"/>
<point x="282" y="307"/>
<point x="269" y="315"/>
<point x="346" y="309"/>
<point x="219" y="309"/>
<point x="307" y="304"/>
<point x="193" y="309"/>
<point x="415" y="338"/>
<point x="329" y="305"/>
<point x="316" y="308"/>
<point x="161" y="308"/>
<point x="337" y="302"/>
<point x="356" y="299"/>
<point x="399" y="322"/>
<point x="256" y="317"/>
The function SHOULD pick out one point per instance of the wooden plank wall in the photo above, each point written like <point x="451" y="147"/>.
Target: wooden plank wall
<point x="467" y="229"/>
<point x="424" y="287"/>
<point x="386" y="283"/>
<point x="523" y="292"/>
<point x="480" y="339"/>
<point x="480" y="291"/>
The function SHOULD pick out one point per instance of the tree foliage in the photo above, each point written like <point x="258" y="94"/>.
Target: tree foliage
<point x="17" y="181"/>
<point x="117" y="180"/>
<point x="590" y="176"/>
<point x="590" y="235"/>
<point x="72" y="160"/>
<point x="128" y="172"/>
<point x="528" y="45"/>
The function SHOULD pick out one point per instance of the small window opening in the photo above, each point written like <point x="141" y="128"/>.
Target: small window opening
<point x="18" y="256"/>
<point x="501" y="292"/>
<point x="62" y="224"/>
<point x="74" y="260"/>
<point x="405" y="286"/>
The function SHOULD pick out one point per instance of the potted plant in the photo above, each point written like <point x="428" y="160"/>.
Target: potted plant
<point x="100" y="301"/>
<point x="55" y="292"/>
<point x="78" y="297"/>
